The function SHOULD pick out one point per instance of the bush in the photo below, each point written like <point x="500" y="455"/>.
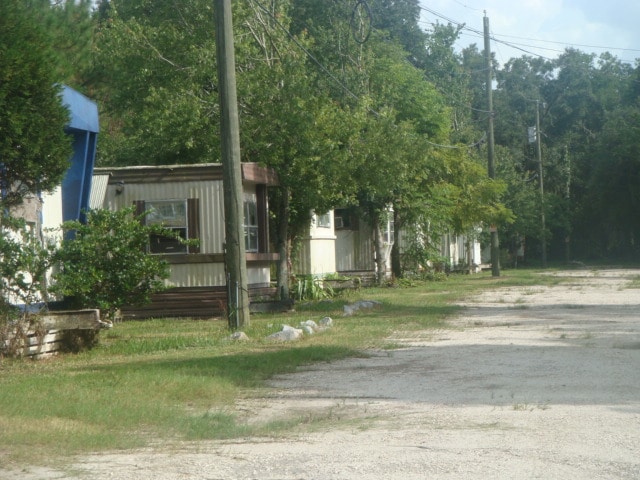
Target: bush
<point x="308" y="287"/>
<point x="106" y="264"/>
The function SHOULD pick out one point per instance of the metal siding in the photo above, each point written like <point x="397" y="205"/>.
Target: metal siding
<point x="98" y="191"/>
<point x="197" y="275"/>
<point x="323" y="253"/>
<point x="316" y="256"/>
<point x="211" y="205"/>
<point x="212" y="233"/>
<point x="345" y="250"/>
<point x="258" y="275"/>
<point x="354" y="249"/>
<point x="302" y="261"/>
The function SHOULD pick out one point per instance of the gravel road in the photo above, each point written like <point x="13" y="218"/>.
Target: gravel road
<point x="535" y="382"/>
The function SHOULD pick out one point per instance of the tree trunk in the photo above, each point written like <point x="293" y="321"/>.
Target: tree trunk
<point x="282" y="245"/>
<point x="396" y="264"/>
<point x="381" y="261"/>
<point x="469" y="254"/>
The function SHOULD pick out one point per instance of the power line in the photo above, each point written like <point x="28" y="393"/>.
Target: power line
<point x="519" y="46"/>
<point x="467" y="6"/>
<point x="570" y="44"/>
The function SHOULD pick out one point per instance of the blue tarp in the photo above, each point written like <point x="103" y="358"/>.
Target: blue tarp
<point x="84" y="112"/>
<point x="83" y="127"/>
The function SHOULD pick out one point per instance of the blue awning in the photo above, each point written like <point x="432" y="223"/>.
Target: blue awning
<point x="84" y="112"/>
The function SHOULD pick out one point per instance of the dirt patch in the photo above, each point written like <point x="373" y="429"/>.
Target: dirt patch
<point x="536" y="382"/>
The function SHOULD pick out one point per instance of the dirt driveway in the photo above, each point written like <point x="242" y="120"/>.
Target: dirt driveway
<point x="536" y="382"/>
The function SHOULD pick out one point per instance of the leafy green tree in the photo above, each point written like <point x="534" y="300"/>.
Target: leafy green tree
<point x="34" y="150"/>
<point x="400" y="20"/>
<point x="156" y="71"/>
<point x="614" y="185"/>
<point x="71" y="29"/>
<point x="162" y="106"/>
<point x="394" y="149"/>
<point x="106" y="264"/>
<point x="316" y="103"/>
<point x="307" y="130"/>
<point x="522" y="198"/>
<point x="445" y="69"/>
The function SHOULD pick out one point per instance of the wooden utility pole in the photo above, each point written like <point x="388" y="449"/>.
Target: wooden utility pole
<point x="567" y="195"/>
<point x="235" y="254"/>
<point x="495" y="243"/>
<point x="543" y="235"/>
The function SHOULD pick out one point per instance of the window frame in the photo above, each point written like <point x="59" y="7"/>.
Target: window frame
<point x="323" y="220"/>
<point x="251" y="223"/>
<point x="191" y="227"/>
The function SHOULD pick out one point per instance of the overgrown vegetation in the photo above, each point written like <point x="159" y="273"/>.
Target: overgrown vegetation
<point x="34" y="149"/>
<point x="24" y="261"/>
<point x="166" y="380"/>
<point x="310" y="287"/>
<point x="105" y="263"/>
<point x="102" y="264"/>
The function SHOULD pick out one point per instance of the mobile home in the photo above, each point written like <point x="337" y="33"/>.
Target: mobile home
<point x="189" y="200"/>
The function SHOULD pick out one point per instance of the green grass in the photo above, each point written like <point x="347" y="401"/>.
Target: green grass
<point x="165" y="380"/>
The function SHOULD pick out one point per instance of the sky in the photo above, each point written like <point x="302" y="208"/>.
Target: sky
<point x="543" y="27"/>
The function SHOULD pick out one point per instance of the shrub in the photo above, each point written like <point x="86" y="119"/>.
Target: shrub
<point x="308" y="287"/>
<point x="106" y="264"/>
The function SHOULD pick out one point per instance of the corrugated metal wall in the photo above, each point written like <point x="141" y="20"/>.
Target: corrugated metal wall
<point x="196" y="275"/>
<point x="211" y="205"/>
<point x="212" y="233"/>
<point x="354" y="250"/>
<point x="316" y="256"/>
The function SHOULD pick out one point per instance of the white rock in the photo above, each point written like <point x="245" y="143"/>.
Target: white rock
<point x="309" y="323"/>
<point x="326" y="322"/>
<point x="239" y="336"/>
<point x="287" y="334"/>
<point x="354" y="307"/>
<point x="349" y="309"/>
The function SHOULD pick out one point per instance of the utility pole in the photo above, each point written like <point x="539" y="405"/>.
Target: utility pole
<point x="543" y="235"/>
<point x="235" y="254"/>
<point x="567" y="195"/>
<point x="495" y="243"/>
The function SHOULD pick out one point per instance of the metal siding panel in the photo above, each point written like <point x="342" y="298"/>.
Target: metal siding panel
<point x="323" y="254"/>
<point x="354" y="249"/>
<point x="211" y="205"/>
<point x="258" y="275"/>
<point x="197" y="275"/>
<point x="212" y="233"/>
<point x="98" y="191"/>
<point x="364" y="249"/>
<point x="345" y="250"/>
<point x="302" y="262"/>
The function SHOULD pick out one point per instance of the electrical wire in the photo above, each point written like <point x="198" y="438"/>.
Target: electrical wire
<point x="467" y="6"/>
<point x="570" y="44"/>
<point x="519" y="46"/>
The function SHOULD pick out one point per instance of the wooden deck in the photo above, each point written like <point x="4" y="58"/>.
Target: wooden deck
<point x="196" y="302"/>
